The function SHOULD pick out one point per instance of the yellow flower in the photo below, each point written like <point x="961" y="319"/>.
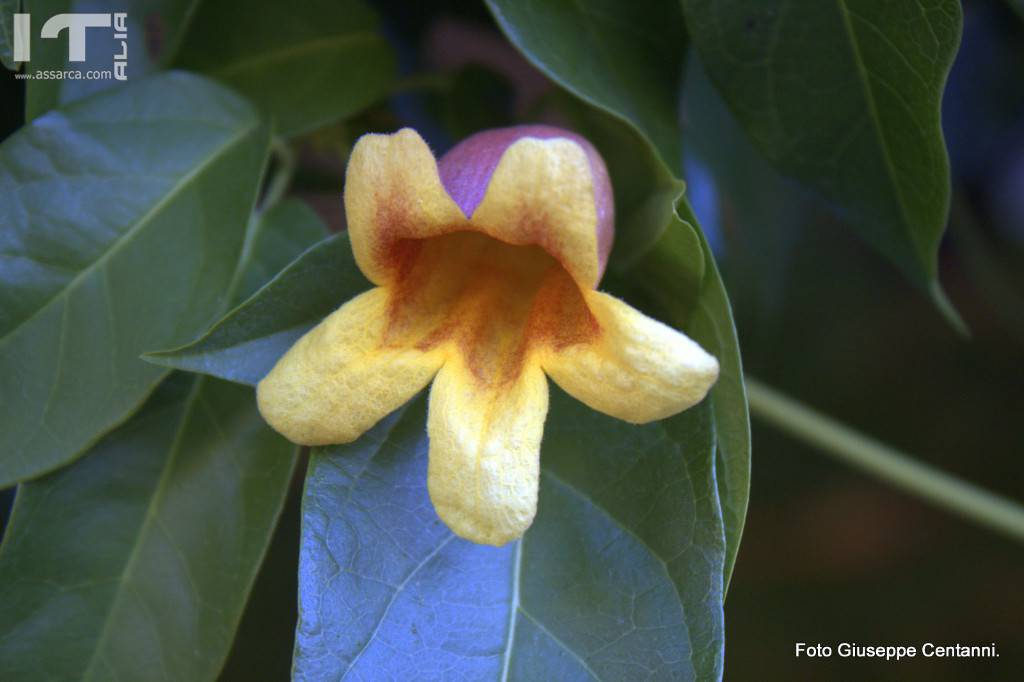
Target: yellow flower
<point x="486" y="267"/>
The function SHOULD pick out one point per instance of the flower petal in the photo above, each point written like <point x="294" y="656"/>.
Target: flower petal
<point x="393" y="192"/>
<point x="542" y="193"/>
<point x="636" y="369"/>
<point x="466" y="171"/>
<point x="341" y="378"/>
<point x="485" y="451"/>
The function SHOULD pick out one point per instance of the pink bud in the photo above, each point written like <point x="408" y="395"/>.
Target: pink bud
<point x="467" y="168"/>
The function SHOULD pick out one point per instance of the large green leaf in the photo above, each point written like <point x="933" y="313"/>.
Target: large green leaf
<point x="677" y="274"/>
<point x="135" y="562"/>
<point x="307" y="64"/>
<point x="619" y="578"/>
<point x="155" y="28"/>
<point x="624" y="57"/>
<point x="123" y="221"/>
<point x="708" y="319"/>
<point x="245" y="344"/>
<point x="662" y="254"/>
<point x="281" y="234"/>
<point x="845" y="96"/>
<point x="646" y="191"/>
<point x="760" y="210"/>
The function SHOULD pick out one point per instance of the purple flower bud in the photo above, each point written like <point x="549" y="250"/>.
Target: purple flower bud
<point x="467" y="168"/>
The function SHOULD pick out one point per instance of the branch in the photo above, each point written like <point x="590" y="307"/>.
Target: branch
<point x="874" y="457"/>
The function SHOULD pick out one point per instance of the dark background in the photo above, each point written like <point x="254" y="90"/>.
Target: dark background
<point x="829" y="554"/>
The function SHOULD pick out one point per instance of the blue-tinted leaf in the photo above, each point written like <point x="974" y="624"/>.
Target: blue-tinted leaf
<point x="124" y="218"/>
<point x="620" y="576"/>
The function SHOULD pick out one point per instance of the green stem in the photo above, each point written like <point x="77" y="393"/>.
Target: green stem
<point x="283" y="173"/>
<point x="877" y="458"/>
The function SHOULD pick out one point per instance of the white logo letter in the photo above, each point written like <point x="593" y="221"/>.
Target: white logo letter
<point x="76" y="25"/>
<point x="22" y="37"/>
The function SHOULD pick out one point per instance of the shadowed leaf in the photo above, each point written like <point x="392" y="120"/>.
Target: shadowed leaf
<point x="306" y="64"/>
<point x="135" y="562"/>
<point x="7" y="10"/>
<point x="624" y="57"/>
<point x="845" y="96"/>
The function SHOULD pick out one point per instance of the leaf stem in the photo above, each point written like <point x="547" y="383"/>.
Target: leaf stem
<point x="283" y="172"/>
<point x="945" y="490"/>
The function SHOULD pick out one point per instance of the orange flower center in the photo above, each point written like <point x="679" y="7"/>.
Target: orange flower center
<point x="493" y="302"/>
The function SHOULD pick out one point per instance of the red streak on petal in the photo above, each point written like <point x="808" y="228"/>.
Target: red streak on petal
<point x="491" y="302"/>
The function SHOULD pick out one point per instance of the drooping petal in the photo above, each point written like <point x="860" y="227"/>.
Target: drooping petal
<point x="344" y="375"/>
<point x="542" y="193"/>
<point x="637" y="369"/>
<point x="485" y="451"/>
<point x="393" y="193"/>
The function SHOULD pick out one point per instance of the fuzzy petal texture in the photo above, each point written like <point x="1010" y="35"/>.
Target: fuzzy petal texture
<point x="637" y="369"/>
<point x="393" y="193"/>
<point x="467" y="168"/>
<point x="343" y="376"/>
<point x="485" y="451"/>
<point x="541" y="193"/>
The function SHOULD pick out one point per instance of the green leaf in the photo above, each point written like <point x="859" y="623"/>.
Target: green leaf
<point x="753" y="195"/>
<point x="245" y="344"/>
<point x="623" y="57"/>
<point x="678" y="276"/>
<point x="123" y="230"/>
<point x="307" y="64"/>
<point x="709" y="321"/>
<point x="845" y="96"/>
<point x="281" y="235"/>
<point x="135" y="562"/>
<point x="645" y="190"/>
<point x="8" y="8"/>
<point x="620" y="576"/>
<point x="155" y="28"/>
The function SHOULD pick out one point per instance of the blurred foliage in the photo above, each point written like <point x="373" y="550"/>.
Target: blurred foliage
<point x="831" y="555"/>
<point x="325" y="54"/>
<point x="845" y="98"/>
